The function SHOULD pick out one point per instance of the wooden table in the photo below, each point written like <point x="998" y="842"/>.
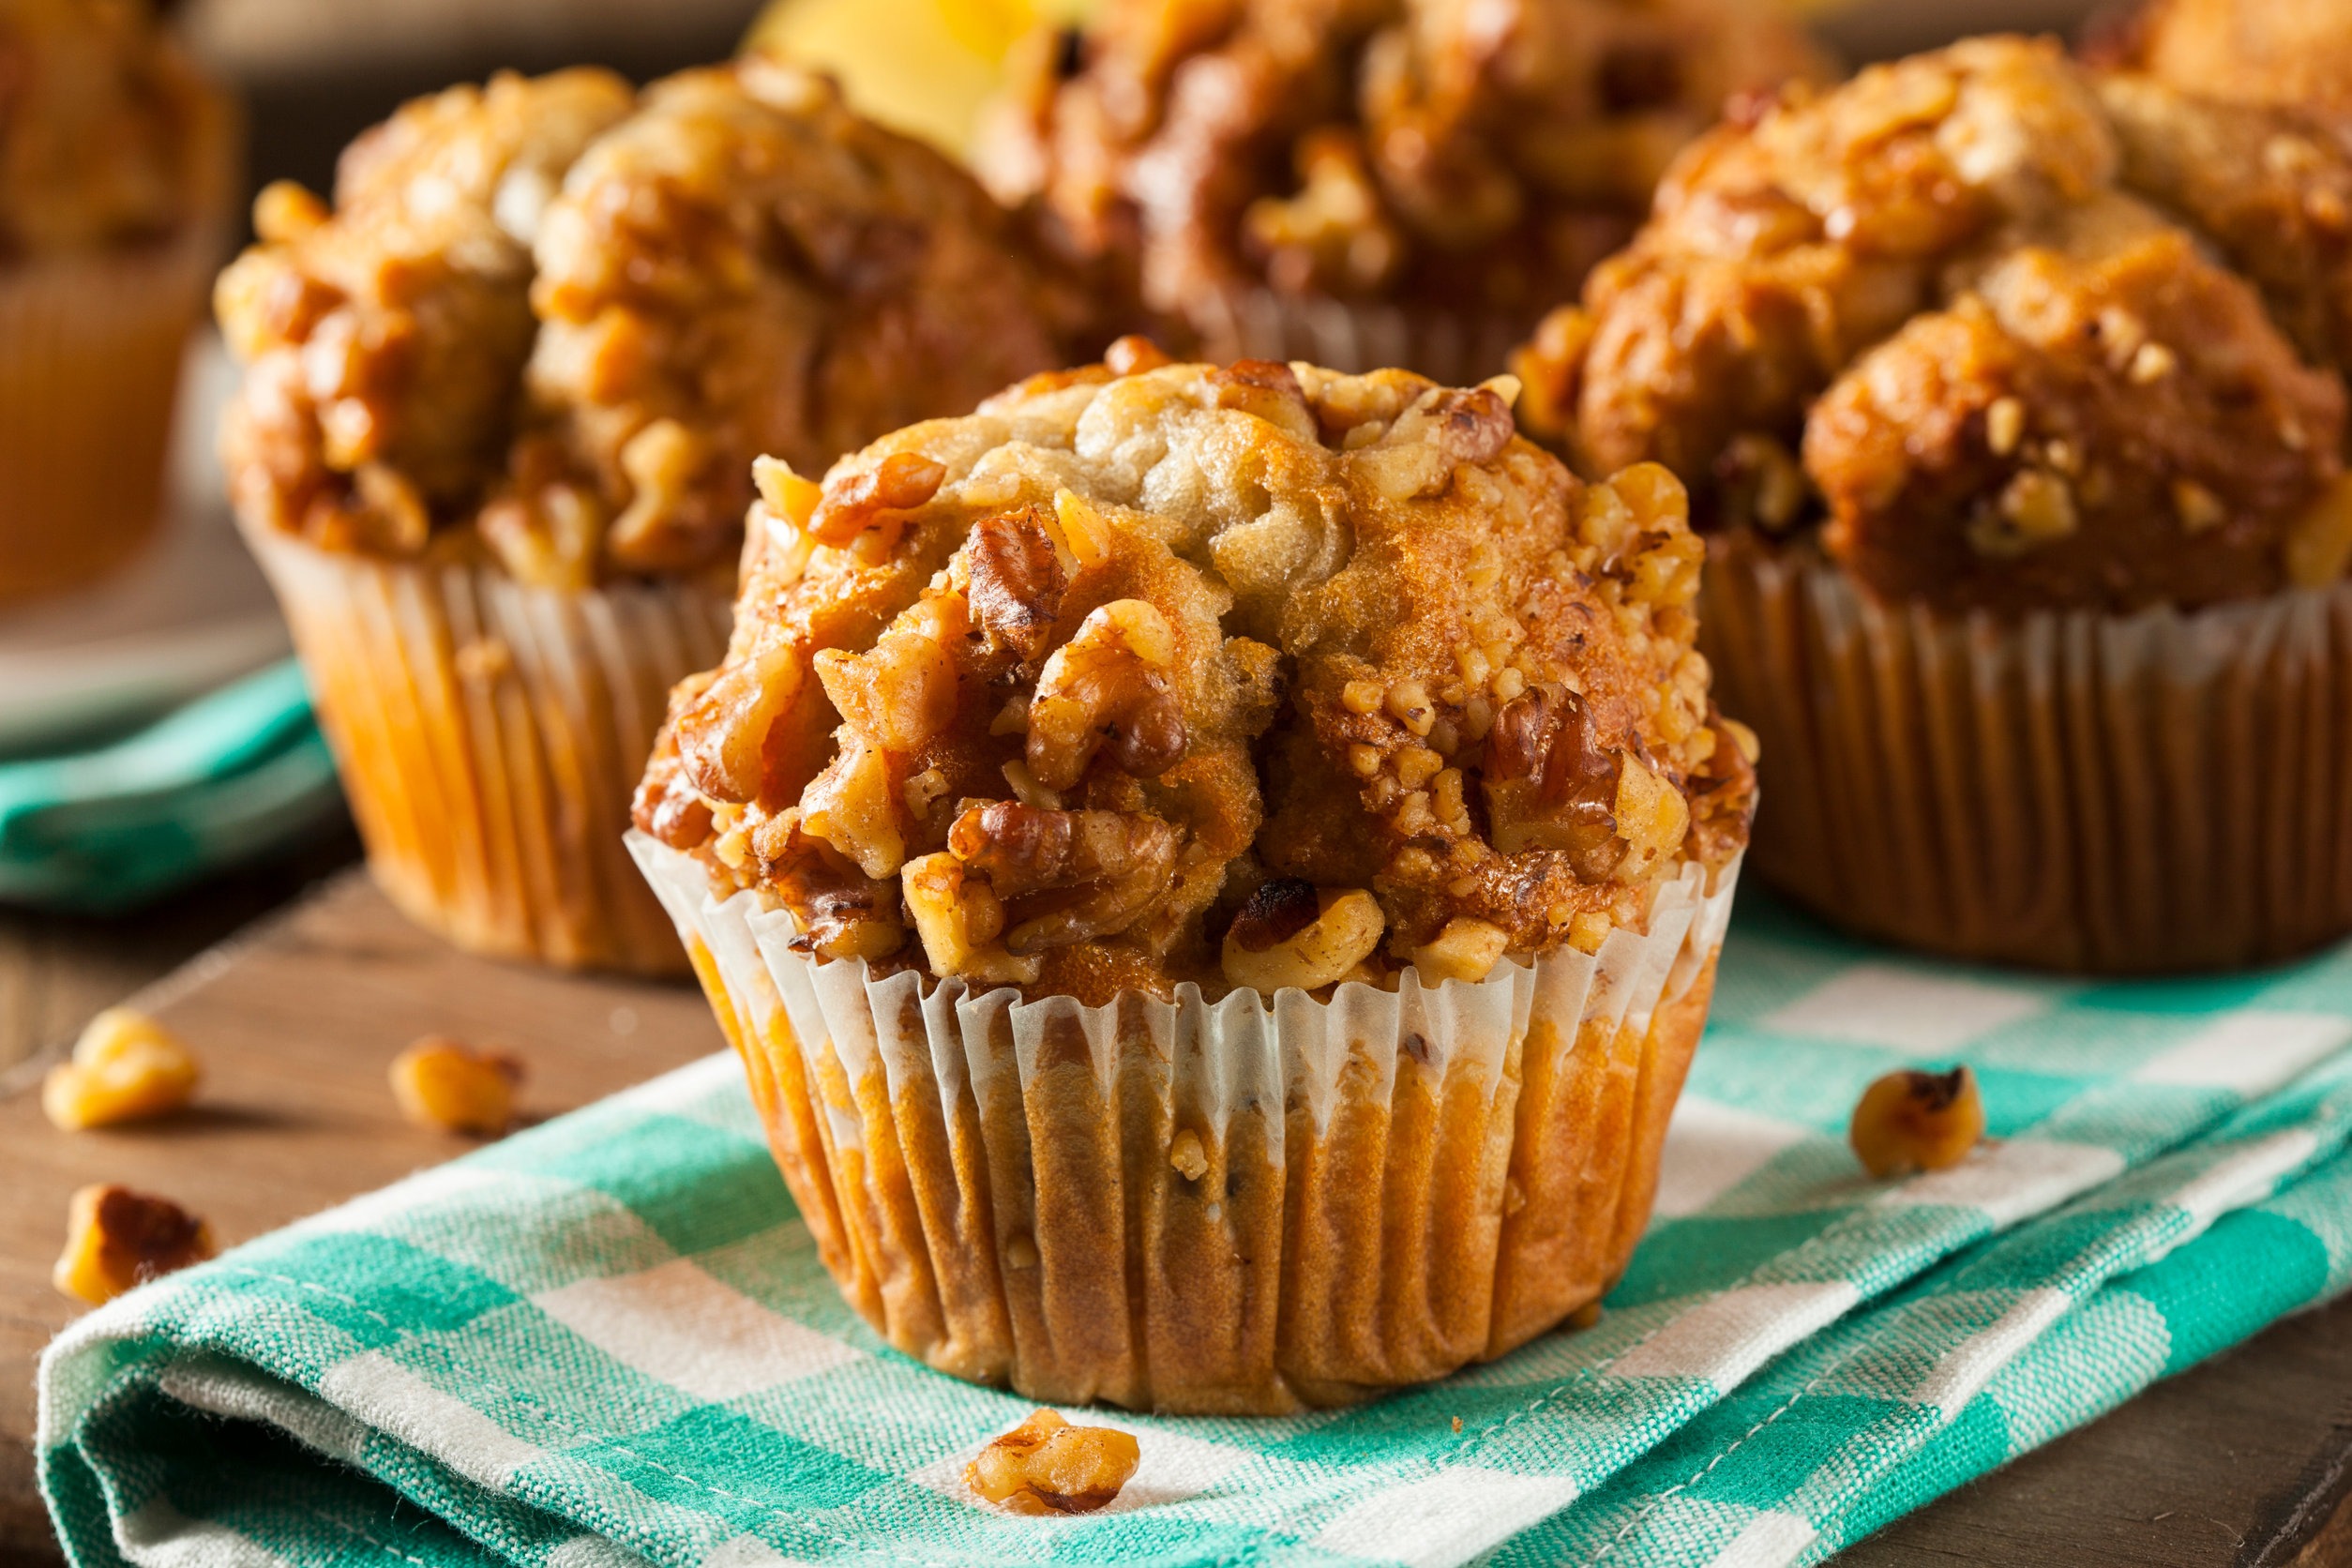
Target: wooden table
<point x="2245" y="1460"/>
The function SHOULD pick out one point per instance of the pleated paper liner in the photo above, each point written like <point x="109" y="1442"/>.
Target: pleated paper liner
<point x="1451" y="348"/>
<point x="90" y="348"/>
<point x="2150" y="792"/>
<point x="489" y="736"/>
<point x="1235" y="1208"/>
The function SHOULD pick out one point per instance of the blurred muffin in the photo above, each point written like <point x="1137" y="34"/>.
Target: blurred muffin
<point x="116" y="161"/>
<point x="2283" y="53"/>
<point x="1163" y="840"/>
<point x="497" y="421"/>
<point x="2011" y="395"/>
<point x="1375" y="182"/>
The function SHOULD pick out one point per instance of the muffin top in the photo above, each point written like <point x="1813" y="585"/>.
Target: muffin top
<point x="108" y="137"/>
<point x="2010" y="333"/>
<point x="1477" y="156"/>
<point x="1253" y="675"/>
<point x="2282" y="53"/>
<point x="549" y="322"/>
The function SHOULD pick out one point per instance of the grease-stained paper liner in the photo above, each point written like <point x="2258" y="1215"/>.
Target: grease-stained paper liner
<point x="489" y="735"/>
<point x="2115" y="794"/>
<point x="90" y="348"/>
<point x="1237" y="1206"/>
<point x="1355" y="337"/>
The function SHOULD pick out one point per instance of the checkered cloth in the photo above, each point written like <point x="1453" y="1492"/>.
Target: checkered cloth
<point x="608" y="1341"/>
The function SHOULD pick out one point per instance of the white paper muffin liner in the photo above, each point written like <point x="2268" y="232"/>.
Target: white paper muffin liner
<point x="489" y="736"/>
<point x="1240" y="1207"/>
<point x="2122" y="793"/>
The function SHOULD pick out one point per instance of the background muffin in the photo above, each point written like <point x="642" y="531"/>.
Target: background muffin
<point x="116" y="163"/>
<point x="498" y="411"/>
<point x="1986" y="336"/>
<point x="1368" y="183"/>
<point x="1142" y="690"/>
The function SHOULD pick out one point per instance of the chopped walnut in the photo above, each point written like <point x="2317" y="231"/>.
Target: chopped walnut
<point x="1342" y="932"/>
<point x="125" y="1067"/>
<point x="116" y="1238"/>
<point x="1910" y="1122"/>
<point x="449" y="1087"/>
<point x="1065" y="876"/>
<point x="1047" y="1465"/>
<point x="1107" y="688"/>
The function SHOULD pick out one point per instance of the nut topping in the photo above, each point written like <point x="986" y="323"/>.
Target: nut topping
<point x="116" y="1238"/>
<point x="872" y="497"/>
<point x="1016" y="583"/>
<point x="1047" y="1465"/>
<point x="1280" y="908"/>
<point x="1065" y="876"/>
<point x="1910" y="1122"/>
<point x="125" y="1067"/>
<point x="1548" y="783"/>
<point x="1104" y="690"/>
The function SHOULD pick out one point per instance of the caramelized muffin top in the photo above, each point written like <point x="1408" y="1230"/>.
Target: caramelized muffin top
<point x="549" y="323"/>
<point x="2012" y="334"/>
<point x="2282" y="53"/>
<point x="108" y="136"/>
<point x="1478" y="156"/>
<point x="1255" y="675"/>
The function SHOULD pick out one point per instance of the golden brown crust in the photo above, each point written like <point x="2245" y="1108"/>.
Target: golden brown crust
<point x="1470" y="157"/>
<point x="2012" y="381"/>
<point x="1079" y="671"/>
<point x="2288" y="52"/>
<point x="552" y="321"/>
<point x="109" y="136"/>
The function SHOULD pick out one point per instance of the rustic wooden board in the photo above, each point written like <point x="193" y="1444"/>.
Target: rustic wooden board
<point x="2241" y="1461"/>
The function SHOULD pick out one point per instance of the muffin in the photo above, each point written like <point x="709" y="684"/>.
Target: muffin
<point x="2010" y="395"/>
<point x="1404" y="183"/>
<point x="1215" y="874"/>
<point x="116" y="161"/>
<point x="494" y="438"/>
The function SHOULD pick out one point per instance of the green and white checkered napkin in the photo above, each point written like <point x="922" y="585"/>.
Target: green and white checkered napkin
<point x="607" y="1340"/>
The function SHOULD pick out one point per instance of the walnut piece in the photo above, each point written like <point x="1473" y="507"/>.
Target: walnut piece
<point x="1910" y="1121"/>
<point x="1065" y="876"/>
<point x="125" y="1067"/>
<point x="1047" y="1465"/>
<point x="116" y="1238"/>
<point x="453" y="1088"/>
<point x="1344" y="933"/>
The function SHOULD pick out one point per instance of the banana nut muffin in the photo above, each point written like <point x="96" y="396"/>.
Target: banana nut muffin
<point x="109" y="138"/>
<point x="1247" y="676"/>
<point x="1469" y="160"/>
<point x="2285" y="53"/>
<point x="117" y="162"/>
<point x="1980" y="314"/>
<point x="551" y="322"/>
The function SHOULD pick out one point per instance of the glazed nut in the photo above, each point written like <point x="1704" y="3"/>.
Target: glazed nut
<point x="116" y="1238"/>
<point x="1910" y="1121"/>
<point x="125" y="1067"/>
<point x="1468" y="949"/>
<point x="452" y="1088"/>
<point x="1047" y="1465"/>
<point x="1342" y="932"/>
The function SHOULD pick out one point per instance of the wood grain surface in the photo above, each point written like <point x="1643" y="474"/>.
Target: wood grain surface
<point x="2244" y="1460"/>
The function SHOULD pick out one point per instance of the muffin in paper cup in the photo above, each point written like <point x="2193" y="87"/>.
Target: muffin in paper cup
<point x="1244" y="1207"/>
<point x="122" y="161"/>
<point x="1175" y="963"/>
<point x="2141" y="793"/>
<point x="498" y="476"/>
<point x="2020" y="432"/>
<point x="1368" y="187"/>
<point x="488" y="734"/>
